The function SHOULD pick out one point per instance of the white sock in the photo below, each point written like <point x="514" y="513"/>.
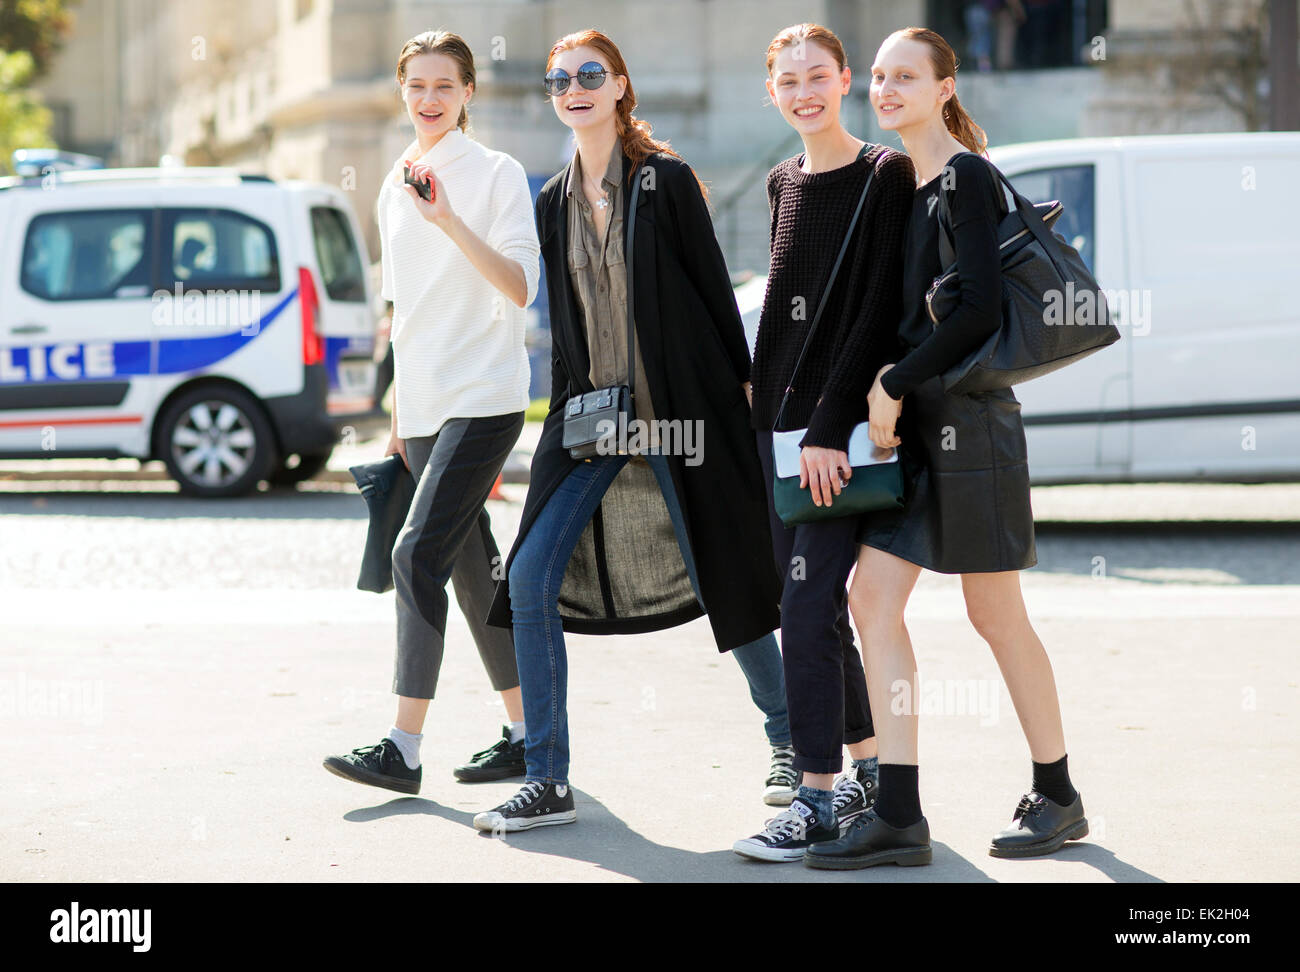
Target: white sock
<point x="408" y="745"/>
<point x="516" y="731"/>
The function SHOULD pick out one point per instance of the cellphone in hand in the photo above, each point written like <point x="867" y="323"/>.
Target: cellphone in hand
<point x="425" y="189"/>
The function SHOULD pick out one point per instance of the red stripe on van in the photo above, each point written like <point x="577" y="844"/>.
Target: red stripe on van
<point x="115" y="420"/>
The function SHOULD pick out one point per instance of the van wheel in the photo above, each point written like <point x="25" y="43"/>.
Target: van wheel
<point x="216" y="442"/>
<point x="308" y="466"/>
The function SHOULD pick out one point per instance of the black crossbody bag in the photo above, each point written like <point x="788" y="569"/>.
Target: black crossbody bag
<point x="585" y="413"/>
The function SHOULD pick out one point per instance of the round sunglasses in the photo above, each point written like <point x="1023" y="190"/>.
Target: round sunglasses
<point x="591" y="76"/>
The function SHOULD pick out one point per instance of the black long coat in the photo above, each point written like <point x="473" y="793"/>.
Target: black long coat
<point x="626" y="575"/>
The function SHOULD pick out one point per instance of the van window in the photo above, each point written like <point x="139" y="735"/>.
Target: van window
<point x="218" y="249"/>
<point x="1074" y="187"/>
<point x="340" y="264"/>
<point x="88" y="255"/>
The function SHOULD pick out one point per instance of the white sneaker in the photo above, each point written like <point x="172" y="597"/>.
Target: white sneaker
<point x="782" y="781"/>
<point x="787" y="835"/>
<point x="535" y="805"/>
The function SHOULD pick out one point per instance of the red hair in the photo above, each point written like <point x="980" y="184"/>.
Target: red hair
<point x="633" y="132"/>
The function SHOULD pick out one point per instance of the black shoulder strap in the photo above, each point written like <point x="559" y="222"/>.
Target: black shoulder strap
<point x="947" y="251"/>
<point x="631" y="303"/>
<point x="830" y="281"/>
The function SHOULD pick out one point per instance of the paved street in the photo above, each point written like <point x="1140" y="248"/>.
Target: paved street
<point x="172" y="671"/>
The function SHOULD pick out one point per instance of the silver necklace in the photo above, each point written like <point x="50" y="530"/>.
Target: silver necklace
<point x="603" y="201"/>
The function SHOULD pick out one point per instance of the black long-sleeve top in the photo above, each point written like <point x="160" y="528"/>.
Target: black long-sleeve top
<point x="858" y="328"/>
<point x="973" y="200"/>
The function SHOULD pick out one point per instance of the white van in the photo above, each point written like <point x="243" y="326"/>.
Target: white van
<point x="218" y="321"/>
<point x="1194" y="239"/>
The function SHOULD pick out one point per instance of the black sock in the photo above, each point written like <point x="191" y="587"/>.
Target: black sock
<point x="899" y="801"/>
<point x="1052" y="780"/>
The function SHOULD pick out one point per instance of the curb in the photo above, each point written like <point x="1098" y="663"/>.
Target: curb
<point x="515" y="472"/>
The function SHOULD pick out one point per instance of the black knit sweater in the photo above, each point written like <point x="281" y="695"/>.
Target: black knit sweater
<point x="858" y="331"/>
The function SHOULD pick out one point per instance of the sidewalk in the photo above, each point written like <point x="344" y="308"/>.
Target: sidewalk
<point x="205" y="765"/>
<point x="1110" y="503"/>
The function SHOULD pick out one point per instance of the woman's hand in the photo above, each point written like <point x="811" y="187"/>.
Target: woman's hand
<point x="882" y="414"/>
<point x="398" y="446"/>
<point x="824" y="471"/>
<point x="438" y="211"/>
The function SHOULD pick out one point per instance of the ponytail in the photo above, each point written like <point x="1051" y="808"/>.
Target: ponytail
<point x="963" y="127"/>
<point x="944" y="62"/>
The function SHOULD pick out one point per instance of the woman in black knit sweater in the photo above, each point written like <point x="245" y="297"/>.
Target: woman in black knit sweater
<point x="812" y="198"/>
<point x="967" y="506"/>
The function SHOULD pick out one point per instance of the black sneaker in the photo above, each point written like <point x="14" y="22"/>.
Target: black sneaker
<point x="786" y="835"/>
<point x="782" y="781"/>
<point x="871" y="841"/>
<point x="854" y="794"/>
<point x="535" y="805"/>
<point x="378" y="765"/>
<point x="1040" y="826"/>
<point x="500" y="761"/>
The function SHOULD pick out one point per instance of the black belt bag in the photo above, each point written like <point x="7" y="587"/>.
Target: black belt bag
<point x="584" y="418"/>
<point x="592" y="419"/>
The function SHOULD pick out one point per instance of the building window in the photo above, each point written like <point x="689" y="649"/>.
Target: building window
<point x="1006" y="35"/>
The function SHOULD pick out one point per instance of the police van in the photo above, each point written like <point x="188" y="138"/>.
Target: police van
<point x="216" y="320"/>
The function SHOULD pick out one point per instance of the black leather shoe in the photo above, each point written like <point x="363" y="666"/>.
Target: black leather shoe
<point x="378" y="765"/>
<point x="1040" y="826"/>
<point x="871" y="841"/>
<point x="502" y="760"/>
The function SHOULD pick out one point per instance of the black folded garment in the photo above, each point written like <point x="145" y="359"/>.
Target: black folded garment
<point x="388" y="488"/>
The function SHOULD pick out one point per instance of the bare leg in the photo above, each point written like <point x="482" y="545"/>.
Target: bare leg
<point x="881" y="586"/>
<point x="514" y="700"/>
<point x="411" y="713"/>
<point x="996" y="607"/>
<point x="863" y="750"/>
<point x="819" y="781"/>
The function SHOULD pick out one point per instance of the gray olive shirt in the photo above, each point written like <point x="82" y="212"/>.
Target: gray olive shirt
<point x="599" y="275"/>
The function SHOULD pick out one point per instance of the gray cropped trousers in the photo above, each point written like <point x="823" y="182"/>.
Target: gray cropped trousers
<point x="448" y="535"/>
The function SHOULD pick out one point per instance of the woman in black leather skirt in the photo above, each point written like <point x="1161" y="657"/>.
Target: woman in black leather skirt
<point x="967" y="507"/>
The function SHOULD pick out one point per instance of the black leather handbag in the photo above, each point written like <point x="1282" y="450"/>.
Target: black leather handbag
<point x="388" y="488"/>
<point x="592" y="419"/>
<point x="1044" y="327"/>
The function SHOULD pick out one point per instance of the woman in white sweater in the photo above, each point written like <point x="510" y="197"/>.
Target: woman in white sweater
<point x="459" y="269"/>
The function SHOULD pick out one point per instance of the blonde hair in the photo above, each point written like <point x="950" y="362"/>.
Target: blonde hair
<point x="440" y="42"/>
<point x="944" y="61"/>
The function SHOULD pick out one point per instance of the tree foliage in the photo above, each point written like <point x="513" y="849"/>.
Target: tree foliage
<point x="35" y="26"/>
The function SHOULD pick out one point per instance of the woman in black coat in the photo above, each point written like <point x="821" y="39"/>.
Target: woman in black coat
<point x="606" y="544"/>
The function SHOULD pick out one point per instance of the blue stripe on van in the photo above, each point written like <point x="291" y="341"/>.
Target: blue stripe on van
<point x="192" y="354"/>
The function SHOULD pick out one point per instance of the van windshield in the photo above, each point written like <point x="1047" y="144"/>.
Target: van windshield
<point x="336" y="252"/>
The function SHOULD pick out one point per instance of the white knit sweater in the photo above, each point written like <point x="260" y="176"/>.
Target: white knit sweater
<point x="458" y="342"/>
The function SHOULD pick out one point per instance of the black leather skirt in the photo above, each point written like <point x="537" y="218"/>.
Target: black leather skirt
<point x="966" y="485"/>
